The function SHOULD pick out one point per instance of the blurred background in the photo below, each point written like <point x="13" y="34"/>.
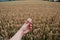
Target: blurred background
<point x="31" y="0"/>
<point x="45" y="16"/>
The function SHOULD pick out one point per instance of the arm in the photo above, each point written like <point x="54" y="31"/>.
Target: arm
<point x="17" y="36"/>
<point x="23" y="30"/>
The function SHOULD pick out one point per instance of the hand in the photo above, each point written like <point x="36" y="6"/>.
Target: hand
<point x="27" y="26"/>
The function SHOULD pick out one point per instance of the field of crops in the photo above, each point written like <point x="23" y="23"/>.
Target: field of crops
<point x="45" y="18"/>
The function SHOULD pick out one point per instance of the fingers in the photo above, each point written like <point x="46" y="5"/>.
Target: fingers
<point x="29" y="27"/>
<point x="27" y="23"/>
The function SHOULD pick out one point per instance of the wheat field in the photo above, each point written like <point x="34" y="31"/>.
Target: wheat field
<point x="45" y="18"/>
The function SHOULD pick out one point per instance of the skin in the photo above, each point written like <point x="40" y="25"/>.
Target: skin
<point x="27" y="26"/>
